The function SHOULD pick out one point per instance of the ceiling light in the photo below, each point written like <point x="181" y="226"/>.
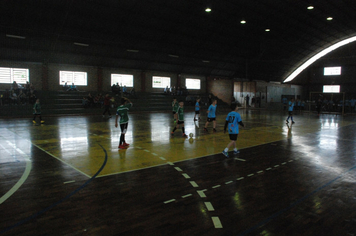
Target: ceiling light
<point x="132" y="50"/>
<point x="329" y="18"/>
<point x="267" y="30"/>
<point x="243" y="22"/>
<point x="15" y="36"/>
<point x="208" y="9"/>
<point x="317" y="56"/>
<point x="310" y="7"/>
<point x="171" y="55"/>
<point x="205" y="61"/>
<point x="81" y="44"/>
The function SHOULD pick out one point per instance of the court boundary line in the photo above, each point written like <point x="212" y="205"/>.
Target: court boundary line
<point x="60" y="201"/>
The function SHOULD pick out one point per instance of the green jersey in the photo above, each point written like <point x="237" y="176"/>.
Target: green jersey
<point x="180" y="112"/>
<point x="122" y="112"/>
<point x="175" y="106"/>
<point x="37" y="108"/>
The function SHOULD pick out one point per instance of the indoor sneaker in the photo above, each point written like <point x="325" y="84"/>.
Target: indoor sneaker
<point x="225" y="153"/>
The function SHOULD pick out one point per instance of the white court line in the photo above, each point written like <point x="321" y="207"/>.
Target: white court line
<point x="276" y="166"/>
<point x="61" y="160"/>
<point x="186" y="176"/>
<point x="269" y="168"/>
<point x="228" y="182"/>
<point x="178" y="169"/>
<point x="162" y="158"/>
<point x="259" y="172"/>
<point x="68" y="182"/>
<point x="169" y="201"/>
<point x="250" y="175"/>
<point x="154" y="154"/>
<point x="217" y="222"/>
<point x="284" y="163"/>
<point x="216" y="186"/>
<point x="240" y="178"/>
<point x="188" y="195"/>
<point x="201" y="193"/>
<point x="195" y="185"/>
<point x="147" y="150"/>
<point x="170" y="163"/>
<point x="239" y="159"/>
<point x="23" y="178"/>
<point x="209" y="206"/>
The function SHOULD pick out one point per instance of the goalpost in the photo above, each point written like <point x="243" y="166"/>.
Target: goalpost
<point x="331" y="102"/>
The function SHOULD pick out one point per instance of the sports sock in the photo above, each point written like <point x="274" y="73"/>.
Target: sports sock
<point x="121" y="139"/>
<point x="183" y="130"/>
<point x="174" y="129"/>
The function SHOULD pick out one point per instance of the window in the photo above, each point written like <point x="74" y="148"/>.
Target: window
<point x="76" y="77"/>
<point x="122" y="80"/>
<point x="161" y="82"/>
<point x="9" y="75"/>
<point x="192" y="83"/>
<point x="331" y="89"/>
<point x="332" y="70"/>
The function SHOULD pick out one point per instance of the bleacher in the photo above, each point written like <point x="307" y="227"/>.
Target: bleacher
<point x="70" y="103"/>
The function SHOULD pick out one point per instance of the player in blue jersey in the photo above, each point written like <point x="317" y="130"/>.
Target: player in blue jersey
<point x="211" y="116"/>
<point x="197" y="109"/>
<point x="290" y="111"/>
<point x="233" y="120"/>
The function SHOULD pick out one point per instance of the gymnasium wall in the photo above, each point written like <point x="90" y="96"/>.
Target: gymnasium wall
<point x="142" y="79"/>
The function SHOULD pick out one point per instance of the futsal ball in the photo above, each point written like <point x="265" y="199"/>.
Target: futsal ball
<point x="191" y="135"/>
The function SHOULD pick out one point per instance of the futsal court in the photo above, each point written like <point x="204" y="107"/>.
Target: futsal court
<point x="68" y="177"/>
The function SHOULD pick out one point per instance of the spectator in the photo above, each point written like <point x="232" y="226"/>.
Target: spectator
<point x="90" y="99"/>
<point x="65" y="86"/>
<point x="166" y="90"/>
<point x="124" y="90"/>
<point x="72" y="88"/>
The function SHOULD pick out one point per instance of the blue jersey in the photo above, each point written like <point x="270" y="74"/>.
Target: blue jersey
<point x="291" y="105"/>
<point x="233" y="119"/>
<point x="212" y="110"/>
<point x="197" y="106"/>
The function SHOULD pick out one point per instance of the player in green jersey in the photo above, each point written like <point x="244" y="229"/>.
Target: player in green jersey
<point x="122" y="111"/>
<point x="180" y="115"/>
<point x="37" y="111"/>
<point x="175" y="106"/>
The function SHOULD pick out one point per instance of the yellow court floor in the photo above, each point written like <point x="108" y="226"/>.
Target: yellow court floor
<point x="80" y="141"/>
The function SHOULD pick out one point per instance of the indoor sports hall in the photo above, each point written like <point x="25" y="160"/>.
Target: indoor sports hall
<point x="68" y="69"/>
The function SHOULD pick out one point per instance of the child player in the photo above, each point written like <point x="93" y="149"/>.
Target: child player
<point x="37" y="111"/>
<point x="122" y="111"/>
<point x="197" y="109"/>
<point x="180" y="114"/>
<point x="175" y="106"/>
<point x="211" y="116"/>
<point x="290" y="111"/>
<point x="233" y="120"/>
